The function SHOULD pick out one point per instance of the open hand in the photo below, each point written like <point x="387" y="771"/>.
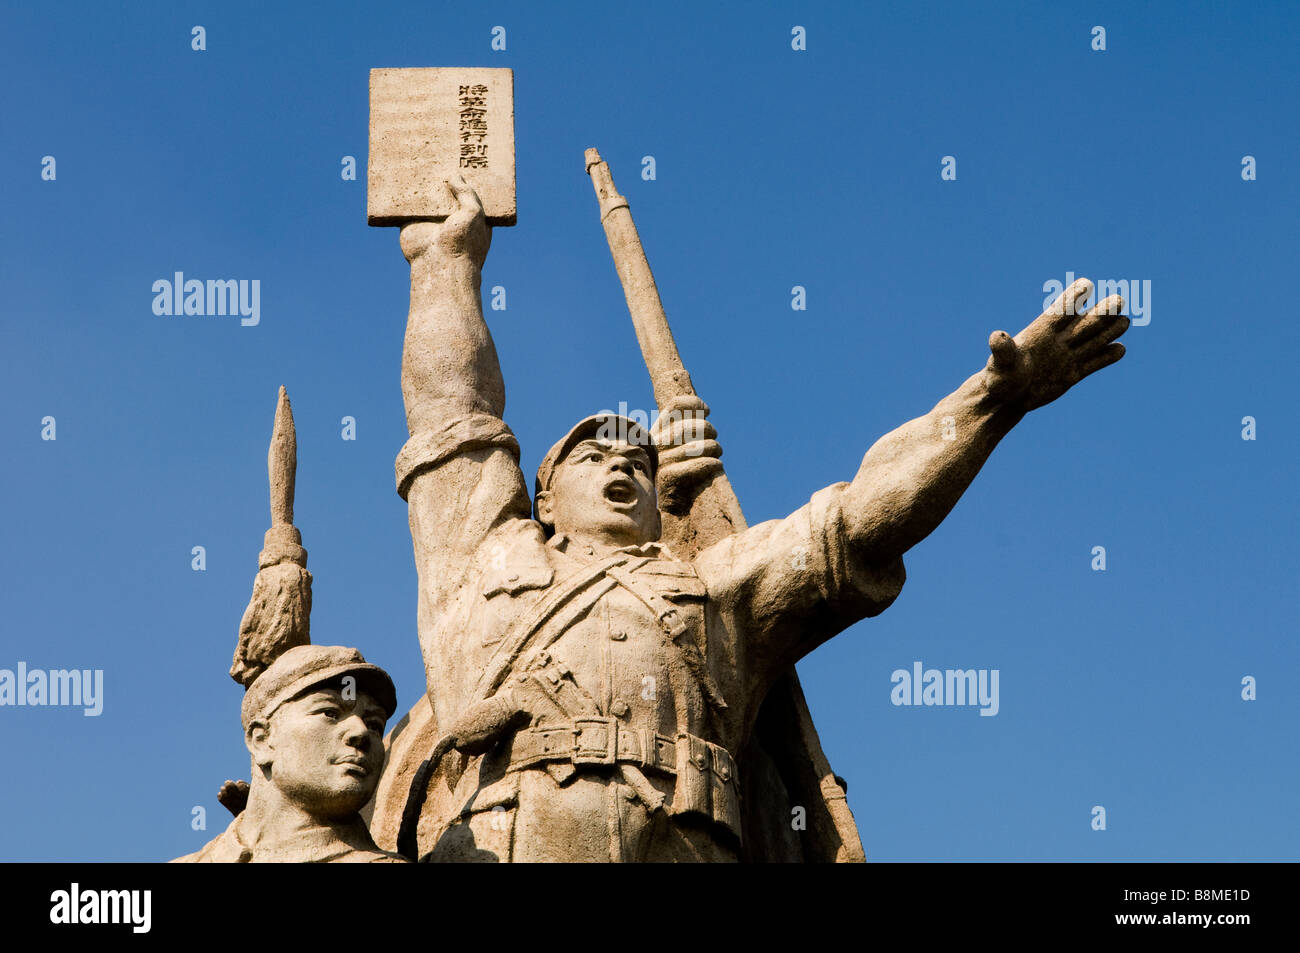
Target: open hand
<point x="1059" y="349"/>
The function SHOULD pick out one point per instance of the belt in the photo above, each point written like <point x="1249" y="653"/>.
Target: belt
<point x="596" y="740"/>
<point x="704" y="773"/>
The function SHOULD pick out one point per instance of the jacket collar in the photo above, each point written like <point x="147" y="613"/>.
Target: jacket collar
<point x="652" y="550"/>
<point x="313" y="845"/>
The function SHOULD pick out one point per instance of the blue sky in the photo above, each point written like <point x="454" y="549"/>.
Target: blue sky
<point x="775" y="168"/>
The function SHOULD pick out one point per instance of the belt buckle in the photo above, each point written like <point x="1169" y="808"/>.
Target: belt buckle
<point x="671" y="620"/>
<point x="590" y="754"/>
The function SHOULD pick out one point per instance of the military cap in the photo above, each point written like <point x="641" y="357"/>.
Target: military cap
<point x="613" y="426"/>
<point x="303" y="666"/>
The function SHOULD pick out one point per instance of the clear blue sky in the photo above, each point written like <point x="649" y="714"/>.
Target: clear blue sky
<point x="775" y="168"/>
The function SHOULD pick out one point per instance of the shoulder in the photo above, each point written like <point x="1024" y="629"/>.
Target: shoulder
<point x="370" y="857"/>
<point x="224" y="848"/>
<point x="353" y="844"/>
<point x="672" y="577"/>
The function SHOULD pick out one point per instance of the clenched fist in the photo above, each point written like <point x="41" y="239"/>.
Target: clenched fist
<point x="464" y="233"/>
<point x="688" y="449"/>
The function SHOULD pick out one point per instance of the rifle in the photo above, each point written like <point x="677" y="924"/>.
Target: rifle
<point x="715" y="511"/>
<point x="785" y="730"/>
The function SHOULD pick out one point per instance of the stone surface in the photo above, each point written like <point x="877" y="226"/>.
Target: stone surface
<point x="698" y="507"/>
<point x="313" y="724"/>
<point x="313" y="716"/>
<point x="594" y="691"/>
<point x="278" y="616"/>
<point x="426" y="124"/>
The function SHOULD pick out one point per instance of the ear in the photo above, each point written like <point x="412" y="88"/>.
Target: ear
<point x="546" y="507"/>
<point x="258" y="741"/>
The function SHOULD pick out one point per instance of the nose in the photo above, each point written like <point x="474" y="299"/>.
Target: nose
<point x="355" y="732"/>
<point x="622" y="464"/>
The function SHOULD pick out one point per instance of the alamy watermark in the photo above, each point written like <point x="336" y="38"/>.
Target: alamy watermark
<point x="1136" y="295"/>
<point x="130" y="907"/>
<point x="215" y="297"/>
<point x="953" y="686"/>
<point x="82" y="688"/>
<point x="616" y="429"/>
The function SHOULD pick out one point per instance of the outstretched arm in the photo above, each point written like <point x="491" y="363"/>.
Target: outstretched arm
<point x="791" y="584"/>
<point x="912" y="477"/>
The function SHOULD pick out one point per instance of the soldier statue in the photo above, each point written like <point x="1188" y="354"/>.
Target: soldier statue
<point x="314" y="726"/>
<point x="590" y="691"/>
<point x="313" y="715"/>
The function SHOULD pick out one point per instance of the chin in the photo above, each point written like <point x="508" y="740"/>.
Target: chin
<point x="628" y="534"/>
<point x="344" y="801"/>
<point x="350" y="784"/>
<point x="629" y="524"/>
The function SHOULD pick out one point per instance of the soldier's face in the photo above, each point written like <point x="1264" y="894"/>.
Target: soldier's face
<point x="603" y="492"/>
<point x="327" y="751"/>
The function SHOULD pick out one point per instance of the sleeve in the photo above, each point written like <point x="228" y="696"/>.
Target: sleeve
<point x="786" y="586"/>
<point x="463" y="488"/>
<point x="458" y="435"/>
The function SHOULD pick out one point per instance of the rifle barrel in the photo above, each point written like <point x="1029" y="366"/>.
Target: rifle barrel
<point x="668" y="376"/>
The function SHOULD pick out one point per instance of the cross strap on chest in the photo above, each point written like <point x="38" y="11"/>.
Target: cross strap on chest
<point x="564" y="603"/>
<point x="677" y="634"/>
<point x="575" y="594"/>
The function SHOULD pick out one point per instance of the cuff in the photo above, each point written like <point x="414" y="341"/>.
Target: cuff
<point x="428" y="448"/>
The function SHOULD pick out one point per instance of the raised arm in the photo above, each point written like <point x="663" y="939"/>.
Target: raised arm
<point x="449" y="364"/>
<point x="459" y="471"/>
<point x="451" y="383"/>
<point x="913" y="476"/>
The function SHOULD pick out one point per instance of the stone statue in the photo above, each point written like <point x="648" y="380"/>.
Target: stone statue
<point x="278" y="616"/>
<point x="593" y="691"/>
<point x="314" y="725"/>
<point x="313" y="715"/>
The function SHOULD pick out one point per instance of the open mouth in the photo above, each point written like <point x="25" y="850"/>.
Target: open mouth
<point x="621" y="492"/>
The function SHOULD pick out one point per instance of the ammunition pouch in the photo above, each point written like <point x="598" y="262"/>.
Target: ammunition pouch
<point x="706" y="782"/>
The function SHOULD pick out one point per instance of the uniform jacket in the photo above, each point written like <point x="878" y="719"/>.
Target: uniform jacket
<point x="747" y="608"/>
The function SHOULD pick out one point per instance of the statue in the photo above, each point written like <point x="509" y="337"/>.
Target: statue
<point x="314" y="725"/>
<point x="313" y="715"/>
<point x="278" y="616"/>
<point x="599" y="659"/>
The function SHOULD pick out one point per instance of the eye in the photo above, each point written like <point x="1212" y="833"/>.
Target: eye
<point x="375" y="725"/>
<point x="331" y="713"/>
<point x="639" y="465"/>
